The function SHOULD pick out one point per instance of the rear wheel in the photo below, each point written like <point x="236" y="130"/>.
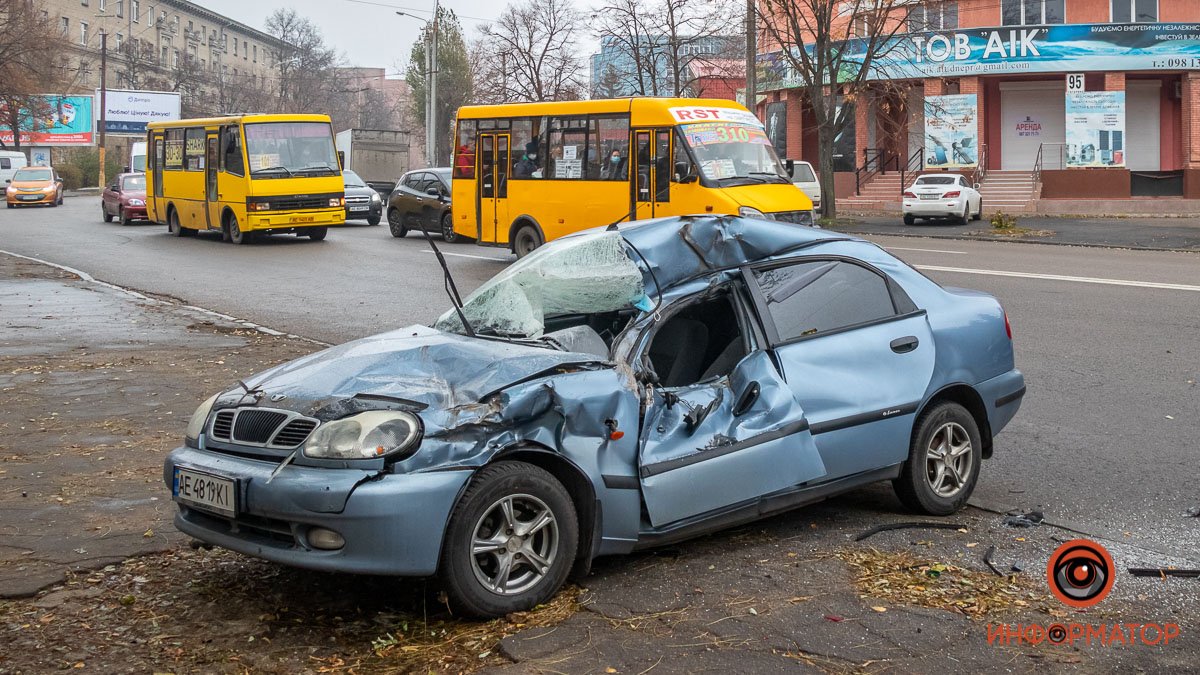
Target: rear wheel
<point x="173" y="225"/>
<point x="525" y="240"/>
<point x="943" y="461"/>
<point x="396" y="223"/>
<point x="966" y="214"/>
<point x="909" y="219"/>
<point x="511" y="541"/>
<point x="317" y="233"/>
<point x="448" y="233"/>
<point x="107" y="216"/>
<point x="979" y="211"/>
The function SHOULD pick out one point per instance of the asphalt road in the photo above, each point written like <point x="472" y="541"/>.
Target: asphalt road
<point x="1109" y="340"/>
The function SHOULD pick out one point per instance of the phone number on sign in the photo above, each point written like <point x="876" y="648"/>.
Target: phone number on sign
<point x="1177" y="62"/>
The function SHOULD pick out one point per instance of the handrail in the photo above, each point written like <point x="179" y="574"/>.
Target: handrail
<point x="1037" y="168"/>
<point x="981" y="166"/>
<point x="874" y="161"/>
<point x="919" y="156"/>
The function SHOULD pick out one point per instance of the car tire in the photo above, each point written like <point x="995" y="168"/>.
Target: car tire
<point x="11" y="206"/>
<point x="125" y="222"/>
<point x="503" y="500"/>
<point x="234" y="234"/>
<point x="317" y="233"/>
<point x="526" y="240"/>
<point x="448" y="234"/>
<point x="979" y="211"/>
<point x="966" y="214"/>
<point x="396" y="224"/>
<point x="374" y="220"/>
<point x="909" y="219"/>
<point x="107" y="216"/>
<point x="943" y="461"/>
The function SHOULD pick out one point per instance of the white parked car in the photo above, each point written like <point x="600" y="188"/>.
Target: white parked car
<point x="805" y="178"/>
<point x="942" y="195"/>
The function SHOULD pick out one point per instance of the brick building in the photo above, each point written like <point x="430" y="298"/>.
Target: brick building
<point x="1084" y="99"/>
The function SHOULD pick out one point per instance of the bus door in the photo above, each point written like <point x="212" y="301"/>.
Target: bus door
<point x="494" y="155"/>
<point x="156" y="157"/>
<point x="212" y="197"/>
<point x="651" y="181"/>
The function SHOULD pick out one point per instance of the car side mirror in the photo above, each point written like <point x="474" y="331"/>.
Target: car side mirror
<point x="125" y="169"/>
<point x="790" y="165"/>
<point x="58" y="180"/>
<point x="7" y="181"/>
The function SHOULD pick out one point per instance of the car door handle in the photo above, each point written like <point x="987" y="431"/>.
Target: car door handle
<point x="747" y="399"/>
<point x="905" y="344"/>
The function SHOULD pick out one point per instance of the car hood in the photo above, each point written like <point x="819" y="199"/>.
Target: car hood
<point x="770" y="198"/>
<point x="127" y="195"/>
<point x="31" y="183"/>
<point x="416" y="367"/>
<point x="360" y="192"/>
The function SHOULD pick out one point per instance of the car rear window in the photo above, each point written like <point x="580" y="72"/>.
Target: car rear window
<point x="936" y="180"/>
<point x="803" y="173"/>
<point x="817" y="297"/>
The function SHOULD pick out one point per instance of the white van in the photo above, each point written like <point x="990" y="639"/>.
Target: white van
<point x="805" y="178"/>
<point x="137" y="157"/>
<point x="9" y="163"/>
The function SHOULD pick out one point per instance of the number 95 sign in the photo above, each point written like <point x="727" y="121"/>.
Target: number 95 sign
<point x="1075" y="82"/>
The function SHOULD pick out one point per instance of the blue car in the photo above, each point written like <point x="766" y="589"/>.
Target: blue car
<point x="615" y="390"/>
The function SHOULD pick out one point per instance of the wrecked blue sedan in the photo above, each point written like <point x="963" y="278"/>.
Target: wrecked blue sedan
<point x="615" y="390"/>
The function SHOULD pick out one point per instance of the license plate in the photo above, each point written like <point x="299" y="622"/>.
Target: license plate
<point x="359" y="208"/>
<point x="930" y="196"/>
<point x="303" y="219"/>
<point x="29" y="198"/>
<point x="206" y="491"/>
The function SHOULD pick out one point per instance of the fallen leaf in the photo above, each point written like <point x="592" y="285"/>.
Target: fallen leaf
<point x="610" y="669"/>
<point x="148" y="533"/>
<point x="834" y="618"/>
<point x="879" y="608"/>
<point x="972" y="544"/>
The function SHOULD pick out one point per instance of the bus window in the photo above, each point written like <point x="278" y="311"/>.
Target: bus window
<point x="173" y="160"/>
<point x="568" y="147"/>
<point x="231" y="151"/>
<point x="662" y="170"/>
<point x="526" y="148"/>
<point x="193" y="151"/>
<point x="610" y="146"/>
<point x="464" y="154"/>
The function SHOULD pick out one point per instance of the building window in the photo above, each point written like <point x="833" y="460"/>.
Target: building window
<point x="103" y="3"/>
<point x="245" y="50"/>
<point x="256" y="53"/>
<point x="83" y="2"/>
<point x="235" y="47"/>
<point x="66" y="26"/>
<point x="134" y="7"/>
<point x="163" y="58"/>
<point x="1134" y="11"/>
<point x="120" y="41"/>
<point x="934" y="16"/>
<point x="175" y="58"/>
<point x="120" y="9"/>
<point x="1031" y="12"/>
<point x="83" y="36"/>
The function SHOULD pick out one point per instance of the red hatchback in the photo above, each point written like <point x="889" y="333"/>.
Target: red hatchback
<point x="125" y="198"/>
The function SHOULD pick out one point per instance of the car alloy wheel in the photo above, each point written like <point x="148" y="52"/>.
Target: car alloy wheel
<point x="948" y="460"/>
<point x="448" y="234"/>
<point x="107" y="216"/>
<point x="396" y="224"/>
<point x="514" y="545"/>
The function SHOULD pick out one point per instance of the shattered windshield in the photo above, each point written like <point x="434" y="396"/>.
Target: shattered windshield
<point x="587" y="274"/>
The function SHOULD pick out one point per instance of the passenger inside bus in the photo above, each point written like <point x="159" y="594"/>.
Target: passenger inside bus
<point x="616" y="168"/>
<point x="527" y="166"/>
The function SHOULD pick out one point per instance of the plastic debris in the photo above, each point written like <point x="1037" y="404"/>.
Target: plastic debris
<point x="1029" y="519"/>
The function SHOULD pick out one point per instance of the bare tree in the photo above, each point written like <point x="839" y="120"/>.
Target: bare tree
<point x="305" y="67"/>
<point x="30" y="65"/>
<point x="627" y="33"/>
<point x="531" y="53"/>
<point x="837" y="52"/>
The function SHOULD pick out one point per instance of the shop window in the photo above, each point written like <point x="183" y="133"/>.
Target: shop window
<point x="1032" y="12"/>
<point x="1134" y="11"/>
<point x="934" y="16"/>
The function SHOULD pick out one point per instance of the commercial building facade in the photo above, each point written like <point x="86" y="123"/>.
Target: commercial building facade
<point x="1107" y="91"/>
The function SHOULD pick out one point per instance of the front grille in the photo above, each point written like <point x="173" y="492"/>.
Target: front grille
<point x="794" y="217"/>
<point x="261" y="427"/>
<point x="358" y="200"/>
<point x="294" y="203"/>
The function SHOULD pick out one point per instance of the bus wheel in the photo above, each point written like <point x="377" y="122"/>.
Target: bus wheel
<point x="396" y="223"/>
<point x="525" y="240"/>
<point x="233" y="232"/>
<point x="173" y="225"/>
<point x="317" y="233"/>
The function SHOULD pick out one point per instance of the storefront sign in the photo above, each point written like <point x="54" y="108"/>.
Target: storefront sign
<point x="127" y="112"/>
<point x="1029" y="127"/>
<point x="1095" y="128"/>
<point x="951" y="131"/>
<point x="55" y="120"/>
<point x="1023" y="49"/>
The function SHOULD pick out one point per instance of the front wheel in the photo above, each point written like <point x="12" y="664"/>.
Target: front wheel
<point x="373" y="220"/>
<point x="396" y="224"/>
<point x="511" y="541"/>
<point x="317" y="233"/>
<point x="234" y="233"/>
<point x="107" y="216"/>
<point x="121" y="217"/>
<point x="943" y="461"/>
<point x="526" y="239"/>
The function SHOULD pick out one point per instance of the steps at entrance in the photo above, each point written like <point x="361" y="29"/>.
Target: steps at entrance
<point x="1008" y="191"/>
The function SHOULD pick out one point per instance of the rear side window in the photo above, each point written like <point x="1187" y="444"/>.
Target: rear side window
<point x="810" y="298"/>
<point x="5" y="163"/>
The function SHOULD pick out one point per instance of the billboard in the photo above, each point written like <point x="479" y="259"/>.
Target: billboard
<point x="1011" y="50"/>
<point x="55" y="120"/>
<point x="777" y="127"/>
<point x="951" y="131"/>
<point x="1095" y="128"/>
<point x="127" y="112"/>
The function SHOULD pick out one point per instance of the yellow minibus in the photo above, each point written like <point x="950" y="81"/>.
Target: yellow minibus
<point x="244" y="176"/>
<point x="527" y="173"/>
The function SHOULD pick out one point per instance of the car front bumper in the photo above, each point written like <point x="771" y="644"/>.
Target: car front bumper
<point x="933" y="208"/>
<point x="392" y="524"/>
<point x="374" y="211"/>
<point x="294" y="219"/>
<point x="31" y="198"/>
<point x="133" y="212"/>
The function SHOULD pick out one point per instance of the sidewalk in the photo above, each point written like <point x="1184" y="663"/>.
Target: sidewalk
<point x="1138" y="233"/>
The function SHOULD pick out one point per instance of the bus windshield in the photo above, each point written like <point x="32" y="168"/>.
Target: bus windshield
<point x="286" y="149"/>
<point x="733" y="153"/>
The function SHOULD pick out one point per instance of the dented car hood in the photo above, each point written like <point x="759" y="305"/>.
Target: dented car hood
<point x="421" y="365"/>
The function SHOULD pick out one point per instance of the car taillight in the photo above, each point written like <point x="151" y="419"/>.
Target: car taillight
<point x="1007" y="326"/>
<point x="948" y="195"/>
<point x="910" y="195"/>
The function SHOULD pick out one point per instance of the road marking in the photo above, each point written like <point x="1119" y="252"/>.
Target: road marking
<point x="1061" y="277"/>
<point x="468" y="255"/>
<point x="928" y="250"/>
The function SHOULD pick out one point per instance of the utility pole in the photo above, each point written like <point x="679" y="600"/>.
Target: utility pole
<point x="431" y="120"/>
<point x="751" y="59"/>
<point x="103" y="97"/>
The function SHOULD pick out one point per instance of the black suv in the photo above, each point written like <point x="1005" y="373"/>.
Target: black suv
<point x="421" y="201"/>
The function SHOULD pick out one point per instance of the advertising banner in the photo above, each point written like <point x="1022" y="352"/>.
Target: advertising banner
<point x="951" y="131"/>
<point x="777" y="127"/>
<point x="56" y="120"/>
<point x="127" y="112"/>
<point x="1095" y="128"/>
<point x="1011" y="50"/>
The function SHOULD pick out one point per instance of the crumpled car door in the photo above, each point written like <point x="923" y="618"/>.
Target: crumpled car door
<point x="717" y="443"/>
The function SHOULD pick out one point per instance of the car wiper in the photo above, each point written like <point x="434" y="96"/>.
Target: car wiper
<point x="273" y="168"/>
<point x="451" y="287"/>
<point x="772" y="174"/>
<point x="320" y="167"/>
<point x="752" y="179"/>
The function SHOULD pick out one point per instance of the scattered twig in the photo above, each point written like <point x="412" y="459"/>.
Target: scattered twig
<point x="987" y="560"/>
<point x="906" y="526"/>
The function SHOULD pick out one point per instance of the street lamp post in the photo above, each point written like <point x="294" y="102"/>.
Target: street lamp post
<point x="103" y="100"/>
<point x="431" y="114"/>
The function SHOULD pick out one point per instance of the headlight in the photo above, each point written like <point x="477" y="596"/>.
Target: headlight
<point x="378" y="433"/>
<point x="195" y="425"/>
<point x="259" y="206"/>
<point x="49" y="188"/>
<point x="136" y="202"/>
<point x="375" y="198"/>
<point x="337" y="201"/>
<point x="751" y="212"/>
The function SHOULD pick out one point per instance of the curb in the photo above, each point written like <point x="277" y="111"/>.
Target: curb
<point x="1016" y="240"/>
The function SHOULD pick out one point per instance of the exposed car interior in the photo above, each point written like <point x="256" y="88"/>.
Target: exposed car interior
<point x="586" y="333"/>
<point x="702" y="341"/>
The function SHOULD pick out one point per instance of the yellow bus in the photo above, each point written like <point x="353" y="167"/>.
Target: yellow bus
<point x="528" y="173"/>
<point x="244" y="176"/>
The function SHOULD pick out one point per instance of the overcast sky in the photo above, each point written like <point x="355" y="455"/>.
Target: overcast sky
<point x="368" y="32"/>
